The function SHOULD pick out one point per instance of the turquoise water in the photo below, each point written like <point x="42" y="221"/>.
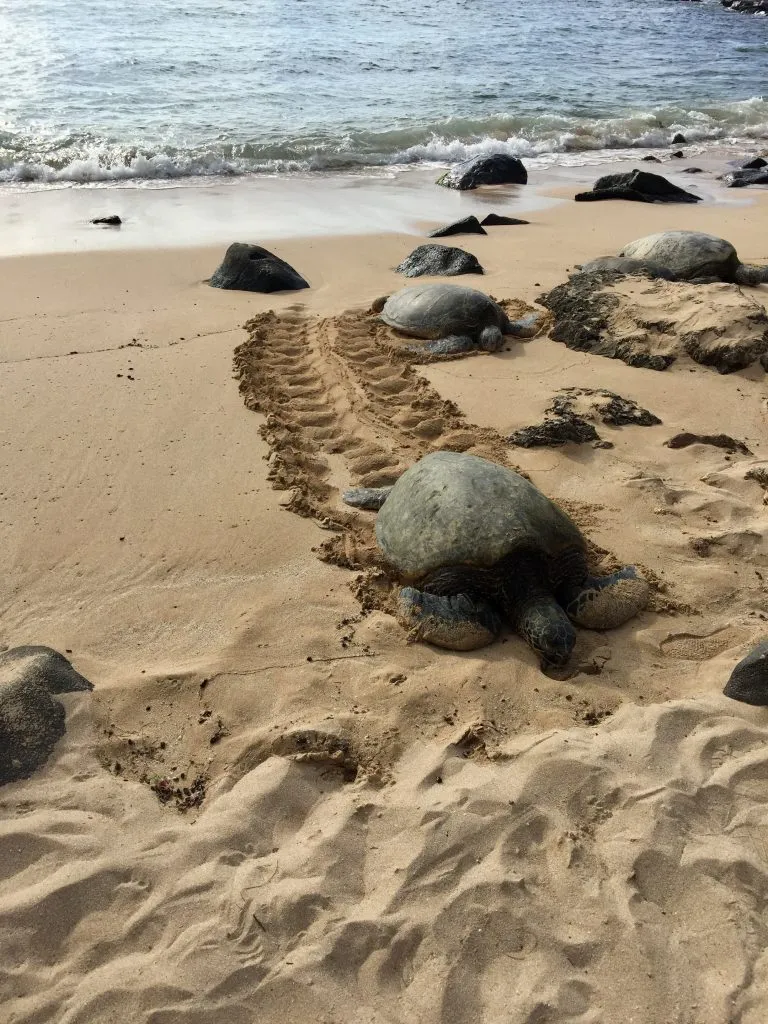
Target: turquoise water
<point x="101" y="90"/>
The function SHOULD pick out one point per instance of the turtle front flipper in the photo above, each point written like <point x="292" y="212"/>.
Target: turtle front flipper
<point x="371" y="498"/>
<point x="604" y="602"/>
<point x="456" y="622"/>
<point x="526" y="327"/>
<point x="452" y="345"/>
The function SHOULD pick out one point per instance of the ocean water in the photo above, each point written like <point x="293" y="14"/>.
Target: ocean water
<point x="109" y="90"/>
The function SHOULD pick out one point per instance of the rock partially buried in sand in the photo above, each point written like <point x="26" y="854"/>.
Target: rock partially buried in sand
<point x="695" y="256"/>
<point x="569" y="419"/>
<point x="638" y="186"/>
<point x="250" y="268"/>
<point x="624" y="266"/>
<point x="113" y="221"/>
<point x="466" y="226"/>
<point x="452" y="319"/>
<point x="485" y="170"/>
<point x="498" y="219"/>
<point x="755" y="164"/>
<point x="439" y="260"/>
<point x="31" y="721"/>
<point x="482" y="544"/>
<point x="743" y="178"/>
<point x="748" y="682"/>
<point x="716" y="325"/>
<point x="724" y="441"/>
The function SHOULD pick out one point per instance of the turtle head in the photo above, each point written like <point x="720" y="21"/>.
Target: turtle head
<point x="546" y="628"/>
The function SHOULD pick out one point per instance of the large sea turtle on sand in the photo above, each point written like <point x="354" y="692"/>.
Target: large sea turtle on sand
<point x="696" y="256"/>
<point x="453" y="318"/>
<point x="476" y="543"/>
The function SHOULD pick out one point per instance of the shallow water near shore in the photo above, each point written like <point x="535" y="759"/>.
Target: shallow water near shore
<point x="157" y="90"/>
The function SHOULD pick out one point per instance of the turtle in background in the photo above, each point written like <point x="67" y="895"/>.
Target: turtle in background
<point x="476" y="544"/>
<point x="452" y="319"/>
<point x="696" y="256"/>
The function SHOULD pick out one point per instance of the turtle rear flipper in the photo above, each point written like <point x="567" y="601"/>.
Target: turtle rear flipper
<point x="370" y="498"/>
<point x="750" y="275"/>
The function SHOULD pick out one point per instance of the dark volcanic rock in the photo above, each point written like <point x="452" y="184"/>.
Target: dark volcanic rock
<point x="730" y="444"/>
<point x="583" y="311"/>
<point x="639" y="186"/>
<point x="442" y="260"/>
<point x="679" y="155"/>
<point x="651" y="159"/>
<point x="679" y="140"/>
<point x="494" y="219"/>
<point x="466" y="226"/>
<point x="485" y="170"/>
<point x="747" y="6"/>
<point x="743" y="178"/>
<point x="651" y="326"/>
<point x="693" y="170"/>
<point x="112" y="221"/>
<point x="250" y="268"/>
<point x="749" y="680"/>
<point x="31" y="720"/>
<point x="755" y="165"/>
<point x="554" y="432"/>
<point x="607" y="405"/>
<point x="625" y="266"/>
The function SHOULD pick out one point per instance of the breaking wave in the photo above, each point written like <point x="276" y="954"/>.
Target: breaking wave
<point x="550" y="139"/>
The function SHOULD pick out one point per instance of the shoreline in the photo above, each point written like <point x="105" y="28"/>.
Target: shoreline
<point x="268" y="208"/>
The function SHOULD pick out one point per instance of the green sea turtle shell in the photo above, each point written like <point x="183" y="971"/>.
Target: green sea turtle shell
<point x="440" y="310"/>
<point x="688" y="254"/>
<point x="456" y="509"/>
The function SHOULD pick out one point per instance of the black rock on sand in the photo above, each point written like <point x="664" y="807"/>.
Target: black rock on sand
<point x="748" y="682"/>
<point x="439" y="260"/>
<point x="485" y="170"/>
<point x="466" y="226"/>
<point x="31" y="721"/>
<point x="639" y="187"/>
<point x="250" y="268"/>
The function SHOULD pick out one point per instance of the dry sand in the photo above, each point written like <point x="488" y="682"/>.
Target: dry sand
<point x="389" y="832"/>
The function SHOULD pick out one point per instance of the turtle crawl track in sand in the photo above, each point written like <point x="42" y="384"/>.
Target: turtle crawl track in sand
<point x="345" y="407"/>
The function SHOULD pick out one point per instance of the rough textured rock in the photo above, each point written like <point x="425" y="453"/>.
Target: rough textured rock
<point x="650" y="159"/>
<point x="679" y="140"/>
<point x="729" y="444"/>
<point x="748" y="682"/>
<point x="554" y="432"/>
<point x="638" y="186"/>
<point x="755" y="164"/>
<point x="250" y="268"/>
<point x="31" y="721"/>
<point x="494" y="219"/>
<point x="113" y="221"/>
<point x="624" y="266"/>
<point x="747" y="6"/>
<point x="439" y="260"/>
<point x="693" y="170"/>
<point x="466" y="226"/>
<point x="485" y="170"/>
<point x="652" y="323"/>
<point x="743" y="178"/>
<point x="601" y="404"/>
<point x="572" y="414"/>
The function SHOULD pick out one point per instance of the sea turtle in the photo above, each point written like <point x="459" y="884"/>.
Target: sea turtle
<point x="696" y="256"/>
<point x="453" y="318"/>
<point x="474" y="542"/>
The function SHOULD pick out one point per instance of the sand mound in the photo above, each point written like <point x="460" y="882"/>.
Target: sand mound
<point x="653" y="323"/>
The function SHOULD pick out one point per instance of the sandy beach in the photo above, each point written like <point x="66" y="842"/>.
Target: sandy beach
<point x="389" y="831"/>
